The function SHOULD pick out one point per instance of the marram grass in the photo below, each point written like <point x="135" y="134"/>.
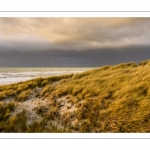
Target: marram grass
<point x="108" y="99"/>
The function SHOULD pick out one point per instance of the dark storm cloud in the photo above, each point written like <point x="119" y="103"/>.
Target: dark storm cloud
<point x="59" y="58"/>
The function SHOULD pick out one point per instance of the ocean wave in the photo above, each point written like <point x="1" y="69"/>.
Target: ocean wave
<point x="13" y="77"/>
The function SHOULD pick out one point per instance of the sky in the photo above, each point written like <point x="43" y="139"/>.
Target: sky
<point x="73" y="42"/>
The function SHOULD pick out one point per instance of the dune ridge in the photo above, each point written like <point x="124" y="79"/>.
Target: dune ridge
<point x="107" y="99"/>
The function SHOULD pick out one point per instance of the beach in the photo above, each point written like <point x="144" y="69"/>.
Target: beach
<point x="14" y="75"/>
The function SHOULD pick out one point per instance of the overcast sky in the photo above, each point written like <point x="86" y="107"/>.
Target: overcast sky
<point x="73" y="42"/>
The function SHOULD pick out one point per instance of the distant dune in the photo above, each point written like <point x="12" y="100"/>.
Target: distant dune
<point x="108" y="99"/>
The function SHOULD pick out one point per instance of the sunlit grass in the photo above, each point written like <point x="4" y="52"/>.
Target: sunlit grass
<point x="108" y="99"/>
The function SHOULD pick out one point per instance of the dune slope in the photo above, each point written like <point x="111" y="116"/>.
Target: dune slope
<point x="108" y="99"/>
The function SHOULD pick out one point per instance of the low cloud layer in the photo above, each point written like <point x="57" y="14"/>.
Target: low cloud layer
<point x="59" y="58"/>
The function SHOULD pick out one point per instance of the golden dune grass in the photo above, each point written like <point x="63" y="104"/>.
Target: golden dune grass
<point x="108" y="99"/>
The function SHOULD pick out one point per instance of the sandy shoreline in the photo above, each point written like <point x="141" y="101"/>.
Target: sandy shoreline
<point x="8" y="78"/>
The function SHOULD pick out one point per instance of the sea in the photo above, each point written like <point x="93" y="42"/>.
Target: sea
<point x="14" y="75"/>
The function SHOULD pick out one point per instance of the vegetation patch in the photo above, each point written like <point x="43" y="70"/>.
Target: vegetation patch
<point x="107" y="99"/>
